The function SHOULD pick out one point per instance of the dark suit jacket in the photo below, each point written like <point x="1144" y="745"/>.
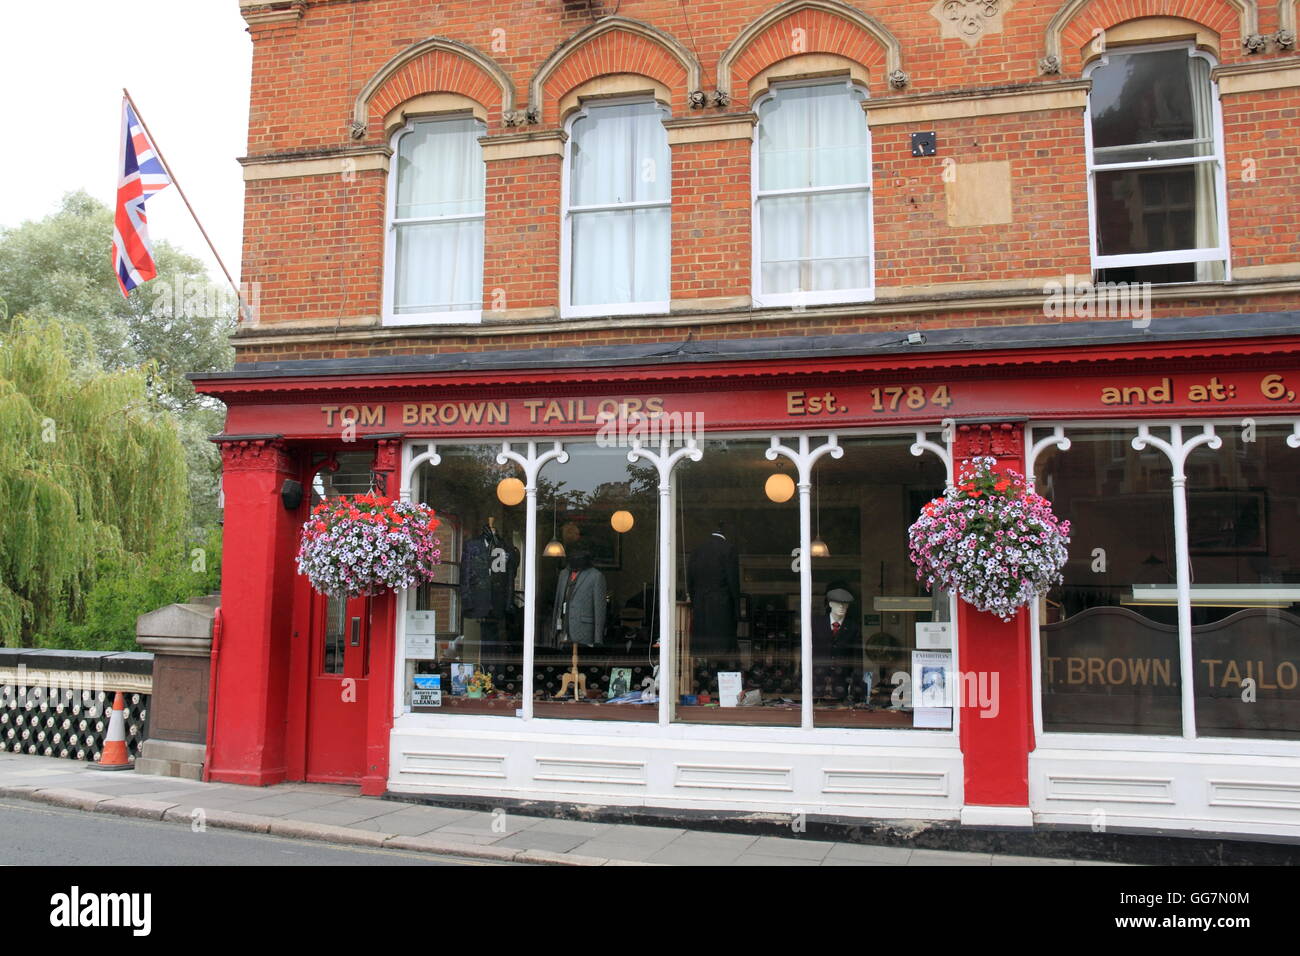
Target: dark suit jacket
<point x="713" y="581"/>
<point x="844" y="648"/>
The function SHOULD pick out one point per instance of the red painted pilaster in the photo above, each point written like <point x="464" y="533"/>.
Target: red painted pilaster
<point x="383" y="650"/>
<point x="252" y="666"/>
<point x="995" y="657"/>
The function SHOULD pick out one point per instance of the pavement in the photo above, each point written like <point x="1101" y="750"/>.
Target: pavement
<point x="338" y="814"/>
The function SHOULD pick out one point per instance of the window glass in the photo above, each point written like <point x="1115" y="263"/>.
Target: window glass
<point x="867" y="601"/>
<point x="619" y="181"/>
<point x="813" y="136"/>
<point x="1109" y="633"/>
<point x="737" y="615"/>
<point x="466" y="626"/>
<point x="438" y="218"/>
<point x="597" y="584"/>
<point x="814" y="210"/>
<point x="1149" y="110"/>
<point x="1243" y="537"/>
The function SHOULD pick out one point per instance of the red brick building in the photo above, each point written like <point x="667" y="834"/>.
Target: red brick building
<point x="854" y="245"/>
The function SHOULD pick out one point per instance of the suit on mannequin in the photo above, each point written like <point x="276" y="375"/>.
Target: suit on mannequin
<point x="579" y="614"/>
<point x="713" y="582"/>
<point x="837" y="645"/>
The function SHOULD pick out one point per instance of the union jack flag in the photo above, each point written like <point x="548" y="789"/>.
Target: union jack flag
<point x="141" y="175"/>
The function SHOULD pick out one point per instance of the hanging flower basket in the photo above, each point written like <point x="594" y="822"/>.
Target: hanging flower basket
<point x="367" y="544"/>
<point x="990" y="540"/>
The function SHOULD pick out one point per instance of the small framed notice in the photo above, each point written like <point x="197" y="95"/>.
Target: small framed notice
<point x="421" y="645"/>
<point x="729" y="687"/>
<point x="934" y="636"/>
<point x="932" y="689"/>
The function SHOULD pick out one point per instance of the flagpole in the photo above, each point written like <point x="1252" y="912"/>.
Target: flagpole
<point x="175" y="182"/>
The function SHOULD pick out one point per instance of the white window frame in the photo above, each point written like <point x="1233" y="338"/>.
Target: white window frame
<point x="390" y="316"/>
<point x="800" y="299"/>
<point x="1176" y="256"/>
<point x="567" y="309"/>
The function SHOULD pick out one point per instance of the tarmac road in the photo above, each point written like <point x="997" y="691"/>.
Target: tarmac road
<point x="34" y="834"/>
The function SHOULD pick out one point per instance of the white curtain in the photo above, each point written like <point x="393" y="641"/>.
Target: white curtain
<point x="440" y="173"/>
<point x="1207" y="207"/>
<point x="810" y="137"/>
<point x="620" y="155"/>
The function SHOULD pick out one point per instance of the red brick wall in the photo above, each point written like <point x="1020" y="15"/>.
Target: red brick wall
<point x="1262" y="168"/>
<point x="315" y="244"/>
<point x="710" y="216"/>
<point x="521" y="238"/>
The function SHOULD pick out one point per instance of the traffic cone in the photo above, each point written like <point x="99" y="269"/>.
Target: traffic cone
<point x="115" y="756"/>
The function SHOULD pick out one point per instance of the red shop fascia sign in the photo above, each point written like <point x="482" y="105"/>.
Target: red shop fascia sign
<point x="1210" y="380"/>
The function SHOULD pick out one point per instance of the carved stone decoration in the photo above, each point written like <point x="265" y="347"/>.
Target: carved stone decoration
<point x="513" y="118"/>
<point x="721" y="99"/>
<point x="698" y="99"/>
<point x="898" y="80"/>
<point x="533" y="115"/>
<point x="1285" y="39"/>
<point x="1001" y="440"/>
<point x="1049" y="65"/>
<point x="969" y="20"/>
<point x="357" y="130"/>
<point x="256" y="454"/>
<point x="1255" y="43"/>
<point x="388" y="454"/>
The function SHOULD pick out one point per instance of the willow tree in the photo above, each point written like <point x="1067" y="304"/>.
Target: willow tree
<point x="91" y="473"/>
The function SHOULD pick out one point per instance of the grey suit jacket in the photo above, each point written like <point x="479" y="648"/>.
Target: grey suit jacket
<point x="586" y="610"/>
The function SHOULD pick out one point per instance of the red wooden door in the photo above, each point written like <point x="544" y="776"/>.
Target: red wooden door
<point x="338" y="688"/>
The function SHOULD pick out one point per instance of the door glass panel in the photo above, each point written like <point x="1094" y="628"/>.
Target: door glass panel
<point x="335" y="614"/>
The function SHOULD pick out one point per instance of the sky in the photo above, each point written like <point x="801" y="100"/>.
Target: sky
<point x="186" y="62"/>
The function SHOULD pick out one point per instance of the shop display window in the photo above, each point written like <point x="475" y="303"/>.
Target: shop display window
<point x="464" y="630"/>
<point x="1110" y="638"/>
<point x="597" y="644"/>
<point x="737" y="623"/>
<point x="867" y="602"/>
<point x="1110" y="664"/>
<point x="1243" y="541"/>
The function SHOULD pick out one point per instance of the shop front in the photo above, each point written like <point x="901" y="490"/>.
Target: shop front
<point x="680" y="579"/>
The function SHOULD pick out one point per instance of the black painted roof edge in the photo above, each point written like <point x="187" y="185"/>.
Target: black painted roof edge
<point x="892" y="342"/>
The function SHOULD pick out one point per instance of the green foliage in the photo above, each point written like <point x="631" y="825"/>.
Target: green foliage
<point x="126" y="589"/>
<point x="92" y="474"/>
<point x="59" y="269"/>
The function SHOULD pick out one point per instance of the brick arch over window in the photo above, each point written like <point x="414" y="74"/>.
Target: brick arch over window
<point x="614" y="45"/>
<point x="1071" y="27"/>
<point x="436" y="65"/>
<point x="810" y="26"/>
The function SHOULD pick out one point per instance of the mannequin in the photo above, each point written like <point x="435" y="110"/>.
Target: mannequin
<point x="713" y="583"/>
<point x="578" y="616"/>
<point x="837" y="639"/>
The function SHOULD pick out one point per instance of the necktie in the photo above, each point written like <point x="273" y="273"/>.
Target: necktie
<point x="835" y="627"/>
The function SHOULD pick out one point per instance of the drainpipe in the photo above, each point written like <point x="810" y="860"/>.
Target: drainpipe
<point x="212" y="695"/>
